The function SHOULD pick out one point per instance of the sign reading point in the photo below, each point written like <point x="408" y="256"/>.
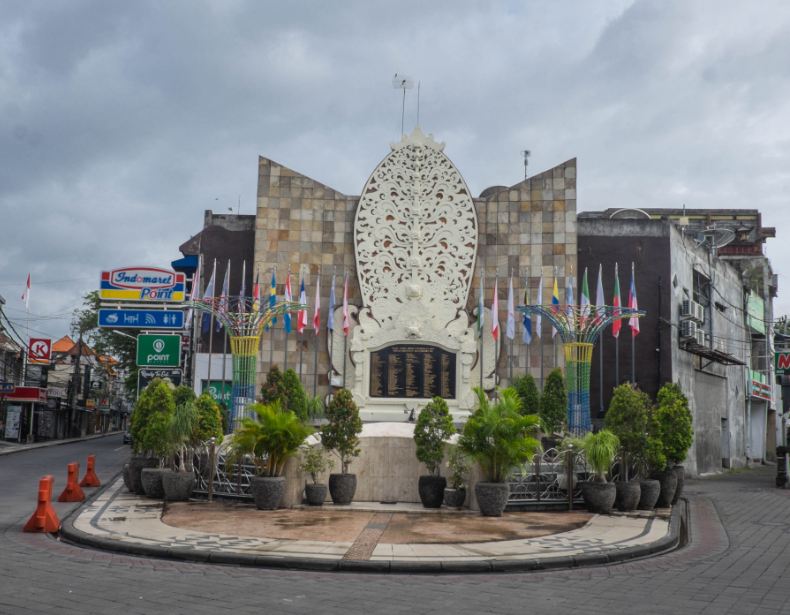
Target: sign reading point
<point x="158" y="350"/>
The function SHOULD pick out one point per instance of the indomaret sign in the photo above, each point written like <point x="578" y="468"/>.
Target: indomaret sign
<point x="142" y="284"/>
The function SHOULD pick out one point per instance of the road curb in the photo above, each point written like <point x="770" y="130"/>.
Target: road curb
<point x="666" y="543"/>
<point x="51" y="443"/>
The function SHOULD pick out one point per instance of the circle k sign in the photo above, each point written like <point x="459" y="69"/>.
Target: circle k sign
<point x="39" y="351"/>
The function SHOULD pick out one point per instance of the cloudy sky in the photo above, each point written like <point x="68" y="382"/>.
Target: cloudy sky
<point x="121" y="122"/>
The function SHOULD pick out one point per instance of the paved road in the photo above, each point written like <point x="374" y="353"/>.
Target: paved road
<point x="736" y="563"/>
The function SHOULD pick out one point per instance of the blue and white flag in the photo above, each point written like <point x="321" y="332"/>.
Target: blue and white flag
<point x="527" y="318"/>
<point x="330" y="318"/>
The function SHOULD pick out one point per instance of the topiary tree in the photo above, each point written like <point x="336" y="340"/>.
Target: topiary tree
<point x="295" y="398"/>
<point x="627" y="418"/>
<point x="673" y="423"/>
<point x="150" y="424"/>
<point x="529" y="394"/>
<point x="183" y="394"/>
<point x="274" y="388"/>
<point x="341" y="433"/>
<point x="434" y="426"/>
<point x="554" y="403"/>
<point x="208" y="423"/>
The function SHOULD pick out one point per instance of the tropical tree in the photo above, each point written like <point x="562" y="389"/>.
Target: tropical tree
<point x="529" y="394"/>
<point x="341" y="433"/>
<point x="554" y="403"/>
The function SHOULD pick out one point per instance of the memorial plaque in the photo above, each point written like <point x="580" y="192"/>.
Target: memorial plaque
<point x="412" y="371"/>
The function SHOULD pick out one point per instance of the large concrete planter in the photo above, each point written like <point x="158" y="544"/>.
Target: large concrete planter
<point x="267" y="491"/>
<point x="628" y="494"/>
<point x="492" y="498"/>
<point x="151" y="478"/>
<point x="431" y="490"/>
<point x="599" y="497"/>
<point x="315" y="494"/>
<point x="669" y="483"/>
<point x="136" y="465"/>
<point x="680" y="474"/>
<point x="342" y="488"/>
<point x="650" y="489"/>
<point x="454" y="498"/>
<point x="177" y="485"/>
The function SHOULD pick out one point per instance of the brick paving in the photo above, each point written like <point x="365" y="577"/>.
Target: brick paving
<point x="738" y="562"/>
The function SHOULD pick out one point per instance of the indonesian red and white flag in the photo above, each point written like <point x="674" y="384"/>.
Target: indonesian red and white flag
<point x="346" y="322"/>
<point x="26" y="294"/>
<point x="495" y="312"/>
<point x="317" y="310"/>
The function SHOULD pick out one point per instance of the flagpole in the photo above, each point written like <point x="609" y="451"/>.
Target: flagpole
<point x="226" y="306"/>
<point x="271" y="326"/>
<point x="211" y="325"/>
<point x="600" y="374"/>
<point x="288" y="315"/>
<point x="345" y="335"/>
<point x="617" y="361"/>
<point x="330" y="332"/>
<point x="316" y="330"/>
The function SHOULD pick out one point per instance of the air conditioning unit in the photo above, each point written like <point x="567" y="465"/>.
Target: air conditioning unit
<point x="701" y="338"/>
<point x="692" y="310"/>
<point x="688" y="329"/>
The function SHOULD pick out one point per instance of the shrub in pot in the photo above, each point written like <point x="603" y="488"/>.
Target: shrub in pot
<point x="341" y="435"/>
<point x="270" y="438"/>
<point x="627" y="418"/>
<point x="177" y="482"/>
<point x="600" y="450"/>
<point x="498" y="437"/>
<point x="458" y="467"/>
<point x="314" y="462"/>
<point x="434" y="426"/>
<point x="674" y="424"/>
<point x="553" y="405"/>
<point x="150" y="435"/>
<point x="650" y="460"/>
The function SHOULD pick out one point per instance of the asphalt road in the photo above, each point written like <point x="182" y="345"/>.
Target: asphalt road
<point x="737" y="562"/>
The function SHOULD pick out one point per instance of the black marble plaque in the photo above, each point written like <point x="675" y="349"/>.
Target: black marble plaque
<point x="412" y="370"/>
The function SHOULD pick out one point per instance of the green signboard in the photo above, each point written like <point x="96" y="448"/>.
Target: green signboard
<point x="782" y="362"/>
<point x="158" y="350"/>
<point x="220" y="390"/>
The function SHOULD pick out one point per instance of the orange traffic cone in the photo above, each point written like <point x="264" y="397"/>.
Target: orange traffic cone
<point x="44" y="519"/>
<point x="90" y="479"/>
<point x="73" y="492"/>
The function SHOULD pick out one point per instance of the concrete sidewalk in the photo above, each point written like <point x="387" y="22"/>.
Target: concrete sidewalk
<point x="7" y="448"/>
<point x="118" y="521"/>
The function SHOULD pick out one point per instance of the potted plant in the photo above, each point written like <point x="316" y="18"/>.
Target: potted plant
<point x="269" y="438"/>
<point x="673" y="419"/>
<point x="458" y="467"/>
<point x="627" y="419"/>
<point x="498" y="437"/>
<point x="314" y="462"/>
<point x="341" y="434"/>
<point x="434" y="426"/>
<point x="529" y="394"/>
<point x="177" y="483"/>
<point x="553" y="407"/>
<point x="650" y="460"/>
<point x="600" y="450"/>
<point x="150" y="433"/>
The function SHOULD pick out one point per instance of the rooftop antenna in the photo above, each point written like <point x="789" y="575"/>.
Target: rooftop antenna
<point x="526" y="153"/>
<point x="404" y="83"/>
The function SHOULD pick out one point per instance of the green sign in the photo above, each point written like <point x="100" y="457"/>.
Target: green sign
<point x="220" y="390"/>
<point x="782" y="362"/>
<point x="158" y="350"/>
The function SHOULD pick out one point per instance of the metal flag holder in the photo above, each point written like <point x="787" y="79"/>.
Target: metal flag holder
<point x="244" y="320"/>
<point x="579" y="327"/>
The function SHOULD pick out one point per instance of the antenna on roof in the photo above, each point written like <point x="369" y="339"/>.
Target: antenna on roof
<point x="404" y="83"/>
<point x="526" y="153"/>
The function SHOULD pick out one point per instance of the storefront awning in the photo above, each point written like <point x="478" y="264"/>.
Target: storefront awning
<point x="27" y="394"/>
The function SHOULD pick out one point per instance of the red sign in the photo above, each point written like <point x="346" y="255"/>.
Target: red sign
<point x="761" y="390"/>
<point x="34" y="394"/>
<point x="39" y="351"/>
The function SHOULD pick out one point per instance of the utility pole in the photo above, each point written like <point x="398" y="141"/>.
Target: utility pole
<point x="75" y="382"/>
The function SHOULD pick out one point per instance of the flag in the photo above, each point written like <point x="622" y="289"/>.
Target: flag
<point x="243" y="291"/>
<point x="317" y="310"/>
<point x="194" y="295"/>
<point x="633" y="322"/>
<point x="288" y="299"/>
<point x="539" y="317"/>
<point x="272" y="299"/>
<point x="480" y="306"/>
<point x="584" y="302"/>
<point x="346" y="323"/>
<point x="617" y="323"/>
<point x="330" y="318"/>
<point x="600" y="302"/>
<point x="224" y="298"/>
<point x="208" y="293"/>
<point x="26" y="294"/>
<point x="301" y="315"/>
<point x="555" y="302"/>
<point x="256" y="295"/>
<point x="510" y="326"/>
<point x="495" y="312"/>
<point x="527" y="318"/>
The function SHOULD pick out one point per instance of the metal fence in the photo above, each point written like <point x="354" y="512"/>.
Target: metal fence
<point x="545" y="480"/>
<point x="229" y="479"/>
